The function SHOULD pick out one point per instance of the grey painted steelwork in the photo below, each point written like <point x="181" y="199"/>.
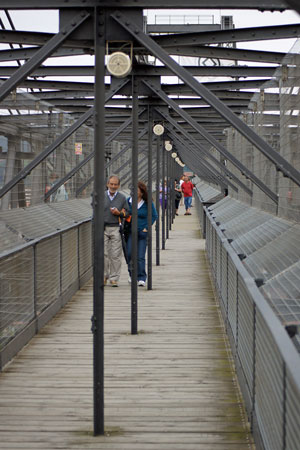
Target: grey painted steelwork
<point x="210" y="138"/>
<point x="24" y="172"/>
<point x="87" y="159"/>
<point x="265" y="355"/>
<point x="88" y="71"/>
<point x="42" y="54"/>
<point x="211" y="99"/>
<point x="236" y="35"/>
<point x="272" y="5"/>
<point x="98" y="222"/>
<point x="204" y="151"/>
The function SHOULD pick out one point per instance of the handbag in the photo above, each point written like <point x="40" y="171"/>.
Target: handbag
<point x="178" y="195"/>
<point x="127" y="227"/>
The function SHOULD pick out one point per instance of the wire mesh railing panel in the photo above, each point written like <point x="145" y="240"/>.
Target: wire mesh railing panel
<point x="269" y="383"/>
<point x="246" y="221"/>
<point x="289" y="82"/>
<point x="283" y="294"/>
<point x="229" y="210"/>
<point x="292" y="414"/>
<point x="261" y="235"/>
<point x="276" y="256"/>
<point x="246" y="333"/>
<point x="34" y="222"/>
<point x="69" y="258"/>
<point x="219" y="262"/>
<point x="9" y="238"/>
<point x="74" y="210"/>
<point x="232" y="296"/>
<point x="224" y="281"/>
<point x="47" y="272"/>
<point x="85" y="247"/>
<point x="37" y="135"/>
<point x="16" y="294"/>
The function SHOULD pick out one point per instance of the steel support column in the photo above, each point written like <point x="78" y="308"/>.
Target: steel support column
<point x="157" y="226"/>
<point x="149" y="252"/>
<point x="134" y="233"/>
<point x="98" y="229"/>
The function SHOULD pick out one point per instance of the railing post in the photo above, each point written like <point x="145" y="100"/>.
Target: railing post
<point x="134" y="232"/>
<point x="149" y="238"/>
<point x="163" y="201"/>
<point x="157" y="224"/>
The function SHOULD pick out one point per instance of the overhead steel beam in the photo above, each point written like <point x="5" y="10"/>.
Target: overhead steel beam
<point x="149" y="70"/>
<point x="233" y="54"/>
<point x="272" y="5"/>
<point x="27" y="53"/>
<point x="48" y="150"/>
<point x="181" y="88"/>
<point x="181" y="28"/>
<point x="202" y="149"/>
<point x="42" y="54"/>
<point x="211" y="139"/>
<point x="231" y="35"/>
<point x="38" y="38"/>
<point x="280" y="163"/>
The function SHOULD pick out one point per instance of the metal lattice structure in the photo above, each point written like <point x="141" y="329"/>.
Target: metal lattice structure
<point x="231" y="116"/>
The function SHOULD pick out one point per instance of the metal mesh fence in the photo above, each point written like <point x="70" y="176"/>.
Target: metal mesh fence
<point x="267" y="362"/>
<point x="17" y="307"/>
<point x="273" y="114"/>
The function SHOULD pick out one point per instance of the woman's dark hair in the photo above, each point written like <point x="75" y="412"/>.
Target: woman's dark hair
<point x="143" y="189"/>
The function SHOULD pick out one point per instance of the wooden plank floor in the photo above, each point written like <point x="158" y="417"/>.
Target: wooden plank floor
<point x="172" y="387"/>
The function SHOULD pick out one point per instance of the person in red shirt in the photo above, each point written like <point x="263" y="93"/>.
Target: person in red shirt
<point x="187" y="189"/>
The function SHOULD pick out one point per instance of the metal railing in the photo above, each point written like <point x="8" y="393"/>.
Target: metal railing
<point x="36" y="281"/>
<point x="267" y="362"/>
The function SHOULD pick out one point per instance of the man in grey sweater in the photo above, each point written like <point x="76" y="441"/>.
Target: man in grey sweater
<point x="114" y="207"/>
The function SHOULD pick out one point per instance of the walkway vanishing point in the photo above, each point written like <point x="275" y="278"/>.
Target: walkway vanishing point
<point x="172" y="387"/>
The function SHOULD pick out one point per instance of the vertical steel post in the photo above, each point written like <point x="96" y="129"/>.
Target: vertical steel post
<point x="149" y="254"/>
<point x="168" y="193"/>
<point x="163" y="201"/>
<point x="157" y="227"/>
<point x="98" y="205"/>
<point x="134" y="233"/>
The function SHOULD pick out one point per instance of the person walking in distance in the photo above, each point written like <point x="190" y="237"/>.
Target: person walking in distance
<point x="114" y="208"/>
<point x="187" y="189"/>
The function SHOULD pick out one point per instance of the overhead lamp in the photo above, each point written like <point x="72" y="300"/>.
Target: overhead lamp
<point x="168" y="146"/>
<point x="158" y="129"/>
<point x="177" y="159"/>
<point x="174" y="155"/>
<point x="119" y="64"/>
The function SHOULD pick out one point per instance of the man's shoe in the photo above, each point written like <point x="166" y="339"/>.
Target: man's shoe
<point x="141" y="283"/>
<point x="114" y="283"/>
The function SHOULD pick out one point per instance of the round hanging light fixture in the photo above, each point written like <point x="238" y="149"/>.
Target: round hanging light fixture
<point x="174" y="155"/>
<point x="168" y="146"/>
<point x="119" y="64"/>
<point x="158" y="129"/>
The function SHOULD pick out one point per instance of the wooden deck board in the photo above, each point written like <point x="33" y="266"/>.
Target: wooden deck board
<point x="171" y="387"/>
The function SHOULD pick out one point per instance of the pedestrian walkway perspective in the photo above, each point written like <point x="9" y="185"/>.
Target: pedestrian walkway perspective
<point x="172" y="386"/>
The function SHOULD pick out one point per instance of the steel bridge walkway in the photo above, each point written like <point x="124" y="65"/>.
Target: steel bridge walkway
<point x="172" y="386"/>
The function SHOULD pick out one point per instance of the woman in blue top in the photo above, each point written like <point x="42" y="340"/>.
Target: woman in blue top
<point x="142" y="227"/>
